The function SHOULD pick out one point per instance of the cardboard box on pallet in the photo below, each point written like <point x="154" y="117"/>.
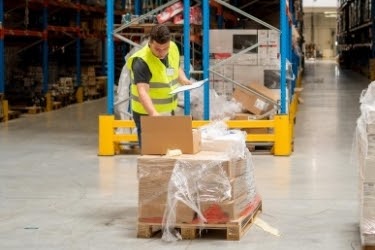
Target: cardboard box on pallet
<point x="160" y="133"/>
<point x="212" y="172"/>
<point x="162" y="166"/>
<point x="153" y="189"/>
<point x="154" y="211"/>
<point x="222" y="212"/>
<point x="156" y="189"/>
<point x="255" y="103"/>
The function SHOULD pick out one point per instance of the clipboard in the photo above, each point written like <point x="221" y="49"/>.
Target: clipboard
<point x="194" y="85"/>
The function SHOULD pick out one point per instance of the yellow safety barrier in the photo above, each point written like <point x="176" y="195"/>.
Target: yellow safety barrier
<point x="5" y="110"/>
<point x="282" y="136"/>
<point x="49" y="105"/>
<point x="79" y="95"/>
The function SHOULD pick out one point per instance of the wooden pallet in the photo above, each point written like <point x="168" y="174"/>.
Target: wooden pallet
<point x="234" y="230"/>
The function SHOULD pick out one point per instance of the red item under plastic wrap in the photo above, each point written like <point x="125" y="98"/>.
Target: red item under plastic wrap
<point x="170" y="12"/>
<point x="195" y="16"/>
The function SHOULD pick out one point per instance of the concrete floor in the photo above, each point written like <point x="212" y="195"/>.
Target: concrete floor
<point x="56" y="193"/>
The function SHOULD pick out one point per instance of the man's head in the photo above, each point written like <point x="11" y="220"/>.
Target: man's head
<point x="160" y="38"/>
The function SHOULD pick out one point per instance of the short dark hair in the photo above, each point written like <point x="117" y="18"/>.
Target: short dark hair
<point x="160" y="34"/>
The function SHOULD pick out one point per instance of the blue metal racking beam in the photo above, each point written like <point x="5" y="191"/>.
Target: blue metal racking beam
<point x="110" y="56"/>
<point x="283" y="53"/>
<point x="137" y="7"/>
<point x="186" y="46"/>
<point x="206" y="58"/>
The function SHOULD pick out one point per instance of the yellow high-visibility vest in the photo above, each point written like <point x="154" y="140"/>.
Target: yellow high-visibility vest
<point x="161" y="83"/>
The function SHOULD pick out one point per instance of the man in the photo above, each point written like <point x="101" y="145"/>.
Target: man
<point x="155" y="71"/>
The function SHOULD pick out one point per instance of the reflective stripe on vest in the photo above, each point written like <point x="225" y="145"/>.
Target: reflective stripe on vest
<point x="158" y="101"/>
<point x="160" y="84"/>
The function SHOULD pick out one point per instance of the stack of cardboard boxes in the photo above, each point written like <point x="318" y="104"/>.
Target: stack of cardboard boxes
<point x="209" y="180"/>
<point x="200" y="187"/>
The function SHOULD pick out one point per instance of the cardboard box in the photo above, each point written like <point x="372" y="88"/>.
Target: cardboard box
<point x="222" y="212"/>
<point x="160" y="133"/>
<point x="240" y="185"/>
<point x="154" y="212"/>
<point x="159" y="166"/>
<point x="153" y="189"/>
<point x="254" y="103"/>
<point x="213" y="184"/>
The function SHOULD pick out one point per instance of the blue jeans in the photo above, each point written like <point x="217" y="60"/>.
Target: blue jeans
<point x="137" y="121"/>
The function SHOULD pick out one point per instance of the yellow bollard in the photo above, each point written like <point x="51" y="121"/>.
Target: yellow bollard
<point x="106" y="133"/>
<point x="283" y="143"/>
<point x="5" y="110"/>
<point x="48" y="102"/>
<point x="79" y="95"/>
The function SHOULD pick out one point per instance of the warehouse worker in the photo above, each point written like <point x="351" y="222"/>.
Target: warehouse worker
<point x="155" y="71"/>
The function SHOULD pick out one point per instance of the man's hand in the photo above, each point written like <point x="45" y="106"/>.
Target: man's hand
<point x="182" y="79"/>
<point x="185" y="81"/>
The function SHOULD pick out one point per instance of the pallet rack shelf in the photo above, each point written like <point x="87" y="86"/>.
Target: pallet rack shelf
<point x="43" y="27"/>
<point x="355" y="29"/>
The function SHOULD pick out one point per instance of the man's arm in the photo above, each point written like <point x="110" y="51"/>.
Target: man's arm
<point x="145" y="99"/>
<point x="142" y="76"/>
<point x="182" y="79"/>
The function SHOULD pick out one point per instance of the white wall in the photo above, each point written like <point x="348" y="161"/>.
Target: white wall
<point x="324" y="33"/>
<point x="319" y="3"/>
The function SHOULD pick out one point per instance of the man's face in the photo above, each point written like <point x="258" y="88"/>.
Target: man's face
<point x="159" y="50"/>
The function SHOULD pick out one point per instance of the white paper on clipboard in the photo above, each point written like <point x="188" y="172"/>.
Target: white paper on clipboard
<point x="194" y="85"/>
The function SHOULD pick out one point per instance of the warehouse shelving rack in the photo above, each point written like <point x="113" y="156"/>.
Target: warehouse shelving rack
<point x="355" y="35"/>
<point x="283" y="123"/>
<point x="46" y="32"/>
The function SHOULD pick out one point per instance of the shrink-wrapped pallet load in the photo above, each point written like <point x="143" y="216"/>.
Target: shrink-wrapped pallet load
<point x="208" y="187"/>
<point x="364" y="146"/>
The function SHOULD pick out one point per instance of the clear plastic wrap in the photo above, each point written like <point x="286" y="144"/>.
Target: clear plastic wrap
<point x="217" y="137"/>
<point x="364" y="159"/>
<point x="210" y="191"/>
<point x="220" y="107"/>
<point x="208" y="187"/>
<point x="367" y="101"/>
<point x="154" y="174"/>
